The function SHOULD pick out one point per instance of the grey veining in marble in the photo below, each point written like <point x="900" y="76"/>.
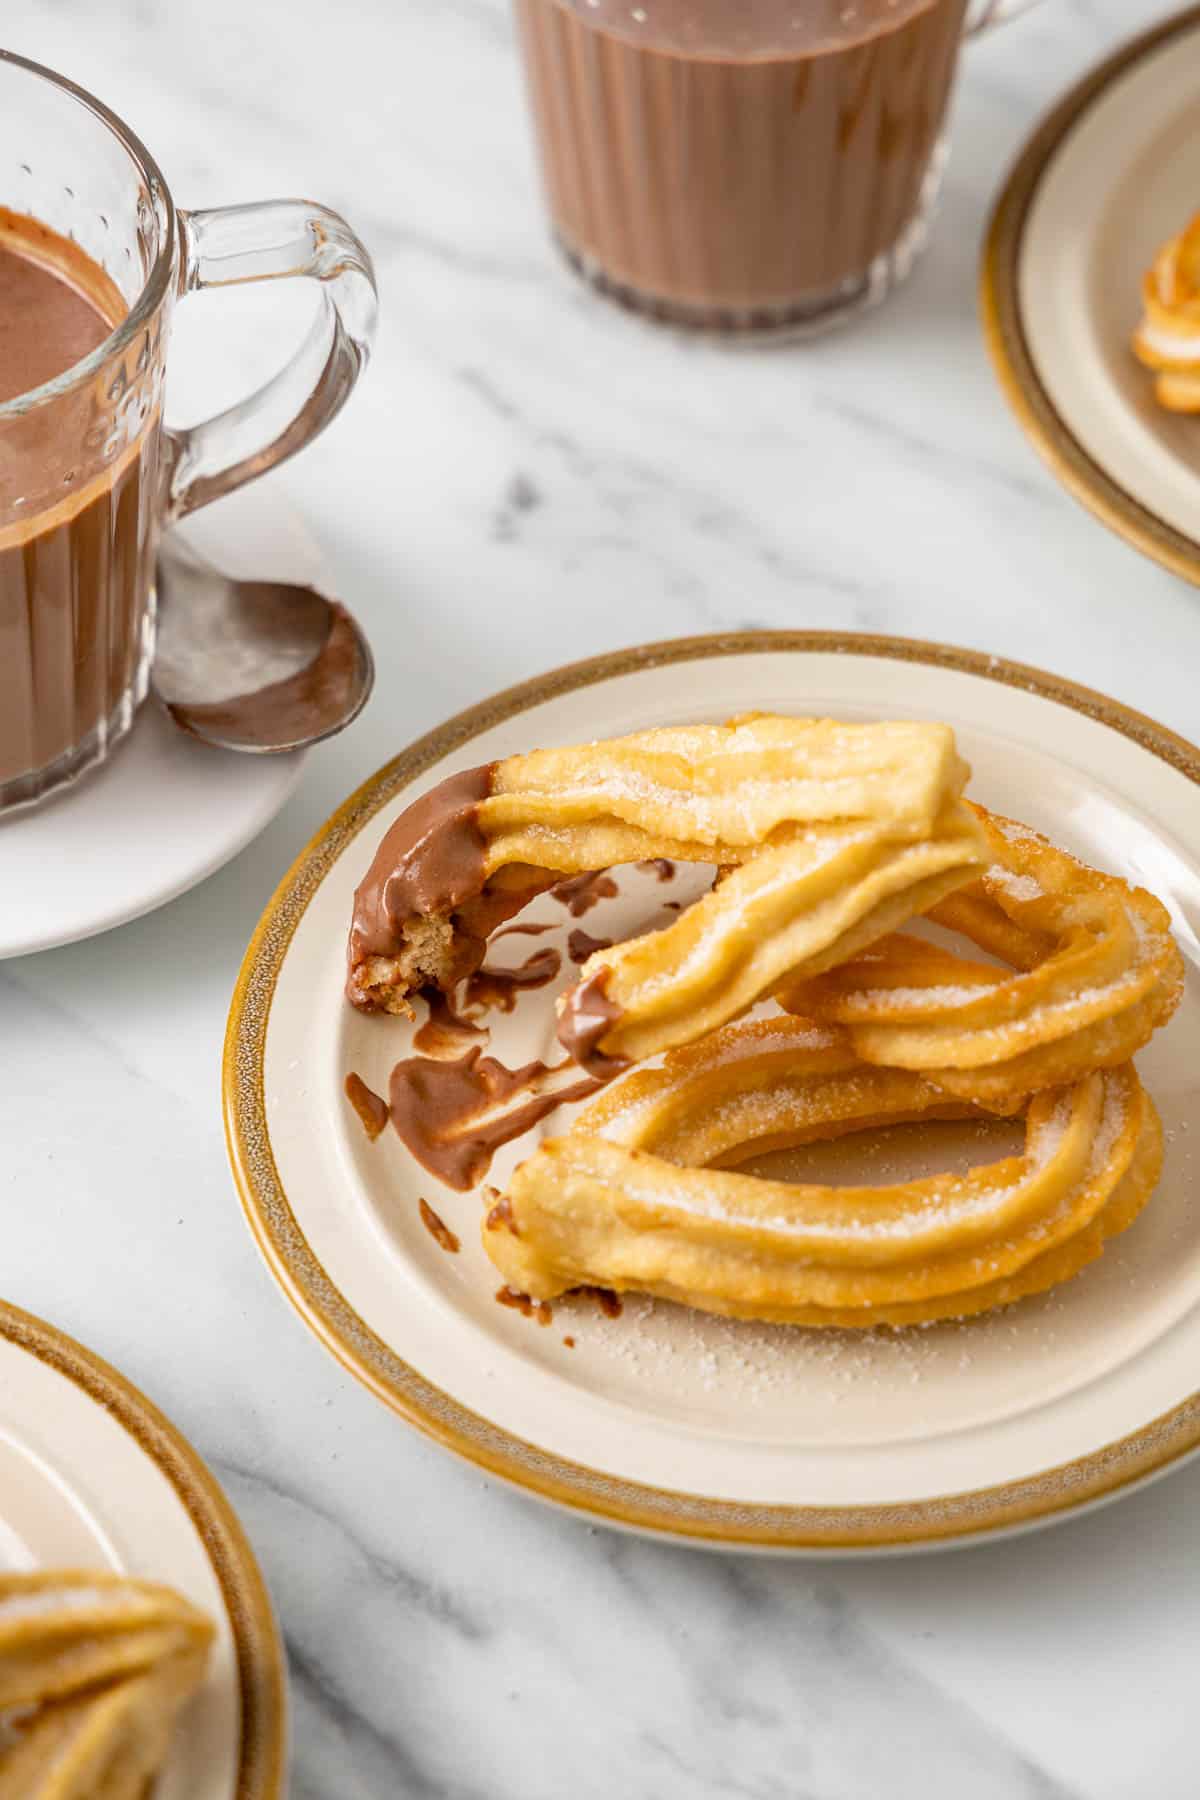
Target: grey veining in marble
<point x="527" y="477"/>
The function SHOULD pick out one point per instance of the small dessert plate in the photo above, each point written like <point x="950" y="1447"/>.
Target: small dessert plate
<point x="93" y="1477"/>
<point x="664" y="1419"/>
<point x="1105" y="179"/>
<point x="165" y="811"/>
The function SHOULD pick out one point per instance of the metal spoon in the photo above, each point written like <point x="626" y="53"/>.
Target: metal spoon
<point x="259" y="666"/>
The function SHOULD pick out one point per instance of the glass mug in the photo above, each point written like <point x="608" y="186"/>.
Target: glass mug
<point x="89" y="473"/>
<point x="744" y="165"/>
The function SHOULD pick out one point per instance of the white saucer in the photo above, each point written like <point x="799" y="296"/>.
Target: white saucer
<point x="165" y="811"/>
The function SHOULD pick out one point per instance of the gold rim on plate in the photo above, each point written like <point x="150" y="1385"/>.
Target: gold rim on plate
<point x="331" y="1317"/>
<point x="262" y="1687"/>
<point x="1004" y="329"/>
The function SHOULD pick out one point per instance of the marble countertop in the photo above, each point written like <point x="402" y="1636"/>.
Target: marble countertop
<point x="527" y="477"/>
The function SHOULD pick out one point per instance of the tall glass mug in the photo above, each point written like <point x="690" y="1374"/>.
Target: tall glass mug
<point x="89" y="473"/>
<point x="744" y="165"/>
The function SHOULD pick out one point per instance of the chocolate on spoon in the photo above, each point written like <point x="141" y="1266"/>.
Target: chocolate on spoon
<point x="256" y="666"/>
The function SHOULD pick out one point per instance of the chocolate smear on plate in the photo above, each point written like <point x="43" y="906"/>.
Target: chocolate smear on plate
<point x="454" y="1116"/>
<point x="438" y="1229"/>
<point x="371" y="1107"/>
<point x="579" y="893"/>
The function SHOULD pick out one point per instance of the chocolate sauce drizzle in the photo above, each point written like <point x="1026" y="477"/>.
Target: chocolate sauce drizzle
<point x="430" y="861"/>
<point x="586" y="1016"/>
<point x="371" y="1107"/>
<point x="451" y="1105"/>
<point x="579" y="893"/>
<point x="446" y="1033"/>
<point x="453" y="1026"/>
<point x="447" y="1114"/>
<point x="541" y="1310"/>
<point x="580" y="945"/>
<point x="610" y="1303"/>
<point x="489" y="987"/>
<point x="500" y="1216"/>
<point x="438" y="1229"/>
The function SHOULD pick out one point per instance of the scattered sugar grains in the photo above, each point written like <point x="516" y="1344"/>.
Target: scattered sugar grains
<point x="678" y="1350"/>
<point x="1017" y="887"/>
<point x="1016" y="833"/>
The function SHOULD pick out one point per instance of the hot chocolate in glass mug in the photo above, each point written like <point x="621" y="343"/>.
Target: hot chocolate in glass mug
<point x="744" y="165"/>
<point x="93" y="255"/>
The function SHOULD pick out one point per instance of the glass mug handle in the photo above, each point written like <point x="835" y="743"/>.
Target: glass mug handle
<point x="983" y="14"/>
<point x="270" y="241"/>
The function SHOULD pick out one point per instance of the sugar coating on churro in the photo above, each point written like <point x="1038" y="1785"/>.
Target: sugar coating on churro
<point x="94" y="1669"/>
<point x="644" y="1192"/>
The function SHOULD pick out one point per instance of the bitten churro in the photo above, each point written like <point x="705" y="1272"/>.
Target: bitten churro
<point x="471" y="852"/>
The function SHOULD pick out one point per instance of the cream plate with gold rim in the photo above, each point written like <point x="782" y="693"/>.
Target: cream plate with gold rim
<point x="663" y="1419"/>
<point x="93" y="1476"/>
<point x="1106" y="178"/>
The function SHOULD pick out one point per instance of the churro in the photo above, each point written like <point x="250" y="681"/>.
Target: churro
<point x="808" y="798"/>
<point x="1098" y="971"/>
<point x="94" y="1669"/>
<point x="805" y="902"/>
<point x="1167" y="338"/>
<point x="643" y="1193"/>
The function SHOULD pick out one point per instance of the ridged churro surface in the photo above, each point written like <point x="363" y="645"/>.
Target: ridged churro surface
<point x="1093" y="972"/>
<point x="644" y="1194"/>
<point x="834" y="833"/>
<point x="94" y="1669"/>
